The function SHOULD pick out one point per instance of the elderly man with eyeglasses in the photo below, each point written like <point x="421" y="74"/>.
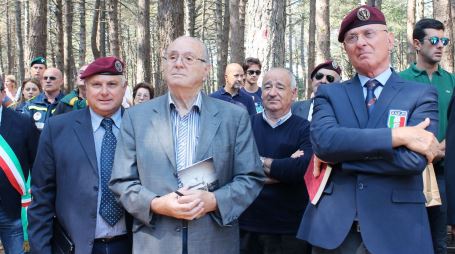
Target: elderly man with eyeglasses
<point x="43" y="106"/>
<point x="325" y="73"/>
<point x="159" y="142"/>
<point x="429" y="42"/>
<point x="377" y="131"/>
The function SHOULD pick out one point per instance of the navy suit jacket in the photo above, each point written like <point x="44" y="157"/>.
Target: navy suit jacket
<point x="450" y="164"/>
<point x="302" y="108"/>
<point x="372" y="182"/>
<point x="65" y="183"/>
<point x="20" y="133"/>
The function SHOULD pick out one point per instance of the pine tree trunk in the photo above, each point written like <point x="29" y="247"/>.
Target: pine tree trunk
<point x="190" y="17"/>
<point x="26" y="29"/>
<point x="222" y="33"/>
<point x="82" y="32"/>
<point x="311" y="45"/>
<point x="60" y="33"/>
<point x="322" y="31"/>
<point x="170" y="26"/>
<point x="290" y="32"/>
<point x="19" y="43"/>
<point x="93" y="41"/>
<point x="9" y="44"/>
<point x="68" y="59"/>
<point x="302" y="91"/>
<point x="265" y="33"/>
<point x="411" y="57"/>
<point x="143" y="42"/>
<point x="103" y="24"/>
<point x="420" y="9"/>
<point x="234" y="39"/>
<point x="114" y="38"/>
<point x="442" y="12"/>
<point x="38" y="28"/>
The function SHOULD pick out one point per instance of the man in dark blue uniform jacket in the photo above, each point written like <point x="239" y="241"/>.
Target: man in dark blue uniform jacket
<point x="377" y="130"/>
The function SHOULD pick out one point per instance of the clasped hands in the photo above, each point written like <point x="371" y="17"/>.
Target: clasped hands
<point x="192" y="205"/>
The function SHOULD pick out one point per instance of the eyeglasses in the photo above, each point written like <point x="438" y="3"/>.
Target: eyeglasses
<point x="368" y="34"/>
<point x="329" y="78"/>
<point x="51" y="78"/>
<point x="187" y="59"/>
<point x="434" y="40"/>
<point x="251" y="72"/>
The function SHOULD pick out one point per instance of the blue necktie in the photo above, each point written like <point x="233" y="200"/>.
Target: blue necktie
<point x="110" y="210"/>
<point x="370" y="100"/>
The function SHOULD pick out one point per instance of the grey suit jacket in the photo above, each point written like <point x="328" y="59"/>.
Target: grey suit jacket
<point x="145" y="168"/>
<point x="301" y="108"/>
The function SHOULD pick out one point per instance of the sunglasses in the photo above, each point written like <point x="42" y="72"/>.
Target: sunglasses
<point x="434" y="40"/>
<point x="51" y="78"/>
<point x="329" y="78"/>
<point x="251" y="72"/>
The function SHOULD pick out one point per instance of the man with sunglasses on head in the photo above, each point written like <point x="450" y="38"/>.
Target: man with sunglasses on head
<point x="324" y="73"/>
<point x="43" y="106"/>
<point x="376" y="130"/>
<point x="429" y="42"/>
<point x="252" y="67"/>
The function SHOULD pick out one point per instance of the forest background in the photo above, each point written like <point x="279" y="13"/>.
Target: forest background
<point x="296" y="34"/>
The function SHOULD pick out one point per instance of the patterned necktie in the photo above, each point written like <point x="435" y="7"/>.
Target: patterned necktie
<point x="370" y="100"/>
<point x="110" y="210"/>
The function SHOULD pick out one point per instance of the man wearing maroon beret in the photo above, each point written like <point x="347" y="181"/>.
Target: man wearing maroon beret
<point x="376" y="130"/>
<point x="325" y="73"/>
<point x="73" y="168"/>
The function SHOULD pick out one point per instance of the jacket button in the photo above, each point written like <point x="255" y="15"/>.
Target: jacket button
<point x="178" y="229"/>
<point x="95" y="188"/>
<point x="361" y="186"/>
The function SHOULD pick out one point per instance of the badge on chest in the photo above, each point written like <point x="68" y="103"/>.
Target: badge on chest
<point x="397" y="118"/>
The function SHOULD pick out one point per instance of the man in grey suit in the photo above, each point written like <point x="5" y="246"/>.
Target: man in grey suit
<point x="167" y="134"/>
<point x="324" y="73"/>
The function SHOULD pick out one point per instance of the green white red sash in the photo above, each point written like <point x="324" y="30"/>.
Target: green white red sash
<point x="13" y="171"/>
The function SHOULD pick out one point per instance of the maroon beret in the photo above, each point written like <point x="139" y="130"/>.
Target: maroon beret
<point x="330" y="65"/>
<point x="105" y="66"/>
<point x="360" y="16"/>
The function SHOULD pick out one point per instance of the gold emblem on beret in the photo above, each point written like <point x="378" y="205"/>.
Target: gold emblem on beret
<point x="118" y="66"/>
<point x="334" y="65"/>
<point x="363" y="14"/>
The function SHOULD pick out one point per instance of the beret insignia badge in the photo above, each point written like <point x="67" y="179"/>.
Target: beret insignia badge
<point x="363" y="14"/>
<point x="118" y="66"/>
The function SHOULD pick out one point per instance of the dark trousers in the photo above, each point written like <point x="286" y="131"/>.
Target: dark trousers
<point x="121" y="246"/>
<point x="353" y="244"/>
<point x="437" y="216"/>
<point x="260" y="243"/>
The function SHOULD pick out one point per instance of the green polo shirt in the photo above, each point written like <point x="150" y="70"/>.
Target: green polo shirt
<point x="444" y="83"/>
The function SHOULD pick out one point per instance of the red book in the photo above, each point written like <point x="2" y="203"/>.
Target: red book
<point x="315" y="185"/>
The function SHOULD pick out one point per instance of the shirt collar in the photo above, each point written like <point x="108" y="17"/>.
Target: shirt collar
<point x="279" y="122"/>
<point x="196" y="104"/>
<point x="417" y="72"/>
<point x="96" y="119"/>
<point x="382" y="77"/>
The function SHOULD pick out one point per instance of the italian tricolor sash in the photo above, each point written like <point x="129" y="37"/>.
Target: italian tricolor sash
<point x="13" y="171"/>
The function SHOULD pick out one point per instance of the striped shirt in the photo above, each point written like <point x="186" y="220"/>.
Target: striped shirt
<point x="185" y="130"/>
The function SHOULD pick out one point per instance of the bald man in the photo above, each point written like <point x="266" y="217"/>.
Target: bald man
<point x="231" y="92"/>
<point x="43" y="106"/>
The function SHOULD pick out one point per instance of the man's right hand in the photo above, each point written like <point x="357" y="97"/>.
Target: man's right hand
<point x="417" y="139"/>
<point x="169" y="205"/>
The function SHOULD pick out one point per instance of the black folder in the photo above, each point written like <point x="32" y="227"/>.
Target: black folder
<point x="61" y="243"/>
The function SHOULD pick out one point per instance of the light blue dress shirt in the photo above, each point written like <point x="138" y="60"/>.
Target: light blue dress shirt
<point x="103" y="229"/>
<point x="382" y="78"/>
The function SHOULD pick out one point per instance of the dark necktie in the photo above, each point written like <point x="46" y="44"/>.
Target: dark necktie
<point x="110" y="210"/>
<point x="370" y="100"/>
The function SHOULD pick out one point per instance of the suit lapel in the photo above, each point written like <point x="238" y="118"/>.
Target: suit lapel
<point x="161" y="125"/>
<point x="356" y="97"/>
<point x="391" y="89"/>
<point x="84" y="133"/>
<point x="209" y="124"/>
<point x="5" y="123"/>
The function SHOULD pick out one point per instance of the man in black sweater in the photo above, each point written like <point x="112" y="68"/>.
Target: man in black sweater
<point x="270" y="224"/>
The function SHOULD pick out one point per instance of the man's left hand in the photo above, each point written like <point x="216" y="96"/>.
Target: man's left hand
<point x="208" y="199"/>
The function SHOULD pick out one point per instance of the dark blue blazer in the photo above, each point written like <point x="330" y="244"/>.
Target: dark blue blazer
<point x="370" y="181"/>
<point x="450" y="164"/>
<point x="302" y="108"/>
<point x="20" y="133"/>
<point x="65" y="183"/>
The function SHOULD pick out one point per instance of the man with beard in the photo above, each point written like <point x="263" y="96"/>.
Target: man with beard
<point x="429" y="42"/>
<point x="231" y="92"/>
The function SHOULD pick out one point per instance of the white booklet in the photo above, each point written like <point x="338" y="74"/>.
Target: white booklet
<point x="200" y="175"/>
